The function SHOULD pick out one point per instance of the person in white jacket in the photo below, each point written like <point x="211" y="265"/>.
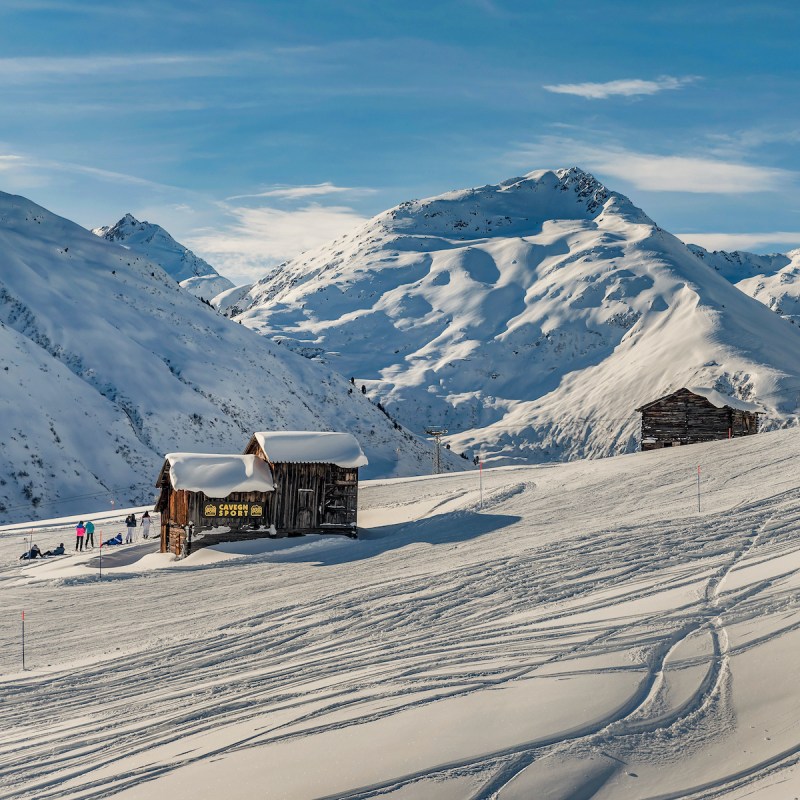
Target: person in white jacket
<point x="146" y="525"/>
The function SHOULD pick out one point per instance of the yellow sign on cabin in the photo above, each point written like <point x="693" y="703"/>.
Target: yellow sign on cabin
<point x="230" y="510"/>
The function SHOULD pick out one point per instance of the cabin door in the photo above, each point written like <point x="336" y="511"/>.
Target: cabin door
<point x="306" y="518"/>
<point x="340" y="497"/>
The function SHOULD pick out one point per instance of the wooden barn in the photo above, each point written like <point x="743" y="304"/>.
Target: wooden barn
<point x="201" y="492"/>
<point x="695" y="415"/>
<point x="316" y="479"/>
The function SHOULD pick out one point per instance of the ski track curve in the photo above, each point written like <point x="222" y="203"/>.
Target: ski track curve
<point x="372" y="645"/>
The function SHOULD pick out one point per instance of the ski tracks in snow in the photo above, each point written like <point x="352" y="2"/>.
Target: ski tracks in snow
<point x="301" y="649"/>
<point x="708" y="706"/>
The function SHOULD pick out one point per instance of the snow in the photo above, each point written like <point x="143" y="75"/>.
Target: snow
<point x="219" y="475"/>
<point x="574" y="630"/>
<point x="773" y="280"/>
<point x="311" y="447"/>
<point x="226" y="302"/>
<point x="719" y="400"/>
<point x="529" y="318"/>
<point x="206" y="286"/>
<point x="107" y="364"/>
<point x="193" y="273"/>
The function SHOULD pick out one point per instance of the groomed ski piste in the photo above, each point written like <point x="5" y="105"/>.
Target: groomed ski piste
<point x="586" y="633"/>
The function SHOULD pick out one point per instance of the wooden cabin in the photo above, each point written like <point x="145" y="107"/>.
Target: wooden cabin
<point x="203" y="492"/>
<point x="316" y="479"/>
<point x="696" y="415"/>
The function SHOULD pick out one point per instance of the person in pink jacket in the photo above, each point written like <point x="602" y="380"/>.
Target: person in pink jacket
<point x="80" y="532"/>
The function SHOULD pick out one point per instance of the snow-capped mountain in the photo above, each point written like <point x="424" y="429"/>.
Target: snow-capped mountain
<point x="107" y="365"/>
<point x="773" y="280"/>
<point x="530" y="318"/>
<point x="193" y="273"/>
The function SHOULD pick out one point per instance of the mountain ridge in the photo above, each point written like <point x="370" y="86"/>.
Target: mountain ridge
<point x="530" y="317"/>
<point x="772" y="279"/>
<point x="193" y="273"/>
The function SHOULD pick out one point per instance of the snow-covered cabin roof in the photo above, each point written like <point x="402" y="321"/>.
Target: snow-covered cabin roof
<point x="311" y="447"/>
<point x="725" y="401"/>
<point x="717" y="399"/>
<point x="219" y="475"/>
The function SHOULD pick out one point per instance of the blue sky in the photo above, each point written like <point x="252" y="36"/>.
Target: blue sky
<point x="254" y="130"/>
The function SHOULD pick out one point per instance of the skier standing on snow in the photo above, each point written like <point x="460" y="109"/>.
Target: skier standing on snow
<point x="146" y="525"/>
<point x="90" y="534"/>
<point x="130" y="521"/>
<point x="80" y="532"/>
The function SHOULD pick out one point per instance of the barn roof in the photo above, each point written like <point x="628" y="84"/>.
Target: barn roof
<point x="311" y="447"/>
<point x="218" y="475"/>
<point x="717" y="399"/>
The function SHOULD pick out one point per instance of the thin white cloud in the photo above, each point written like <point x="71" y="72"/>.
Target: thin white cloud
<point x="31" y="69"/>
<point x="627" y="87"/>
<point x="655" y="173"/>
<point x="303" y="192"/>
<point x="37" y="169"/>
<point x="257" y="238"/>
<point x="692" y="174"/>
<point x="769" y="241"/>
<point x="10" y="161"/>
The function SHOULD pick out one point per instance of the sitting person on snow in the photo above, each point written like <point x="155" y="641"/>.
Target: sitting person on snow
<point x="56" y="551"/>
<point x="113" y="540"/>
<point x="34" y="552"/>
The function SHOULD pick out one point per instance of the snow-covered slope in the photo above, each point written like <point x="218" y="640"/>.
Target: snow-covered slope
<point x="154" y="243"/>
<point x="207" y="286"/>
<point x="530" y="318"/>
<point x="226" y="302"/>
<point x="587" y="634"/>
<point x="107" y="364"/>
<point x="773" y="280"/>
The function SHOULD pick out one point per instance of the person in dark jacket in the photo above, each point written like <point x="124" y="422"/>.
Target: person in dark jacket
<point x="34" y="552"/>
<point x="113" y="540"/>
<point x="130" y="522"/>
<point x="56" y="551"/>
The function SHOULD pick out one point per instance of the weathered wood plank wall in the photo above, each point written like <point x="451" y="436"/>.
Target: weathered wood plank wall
<point x="687" y="418"/>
